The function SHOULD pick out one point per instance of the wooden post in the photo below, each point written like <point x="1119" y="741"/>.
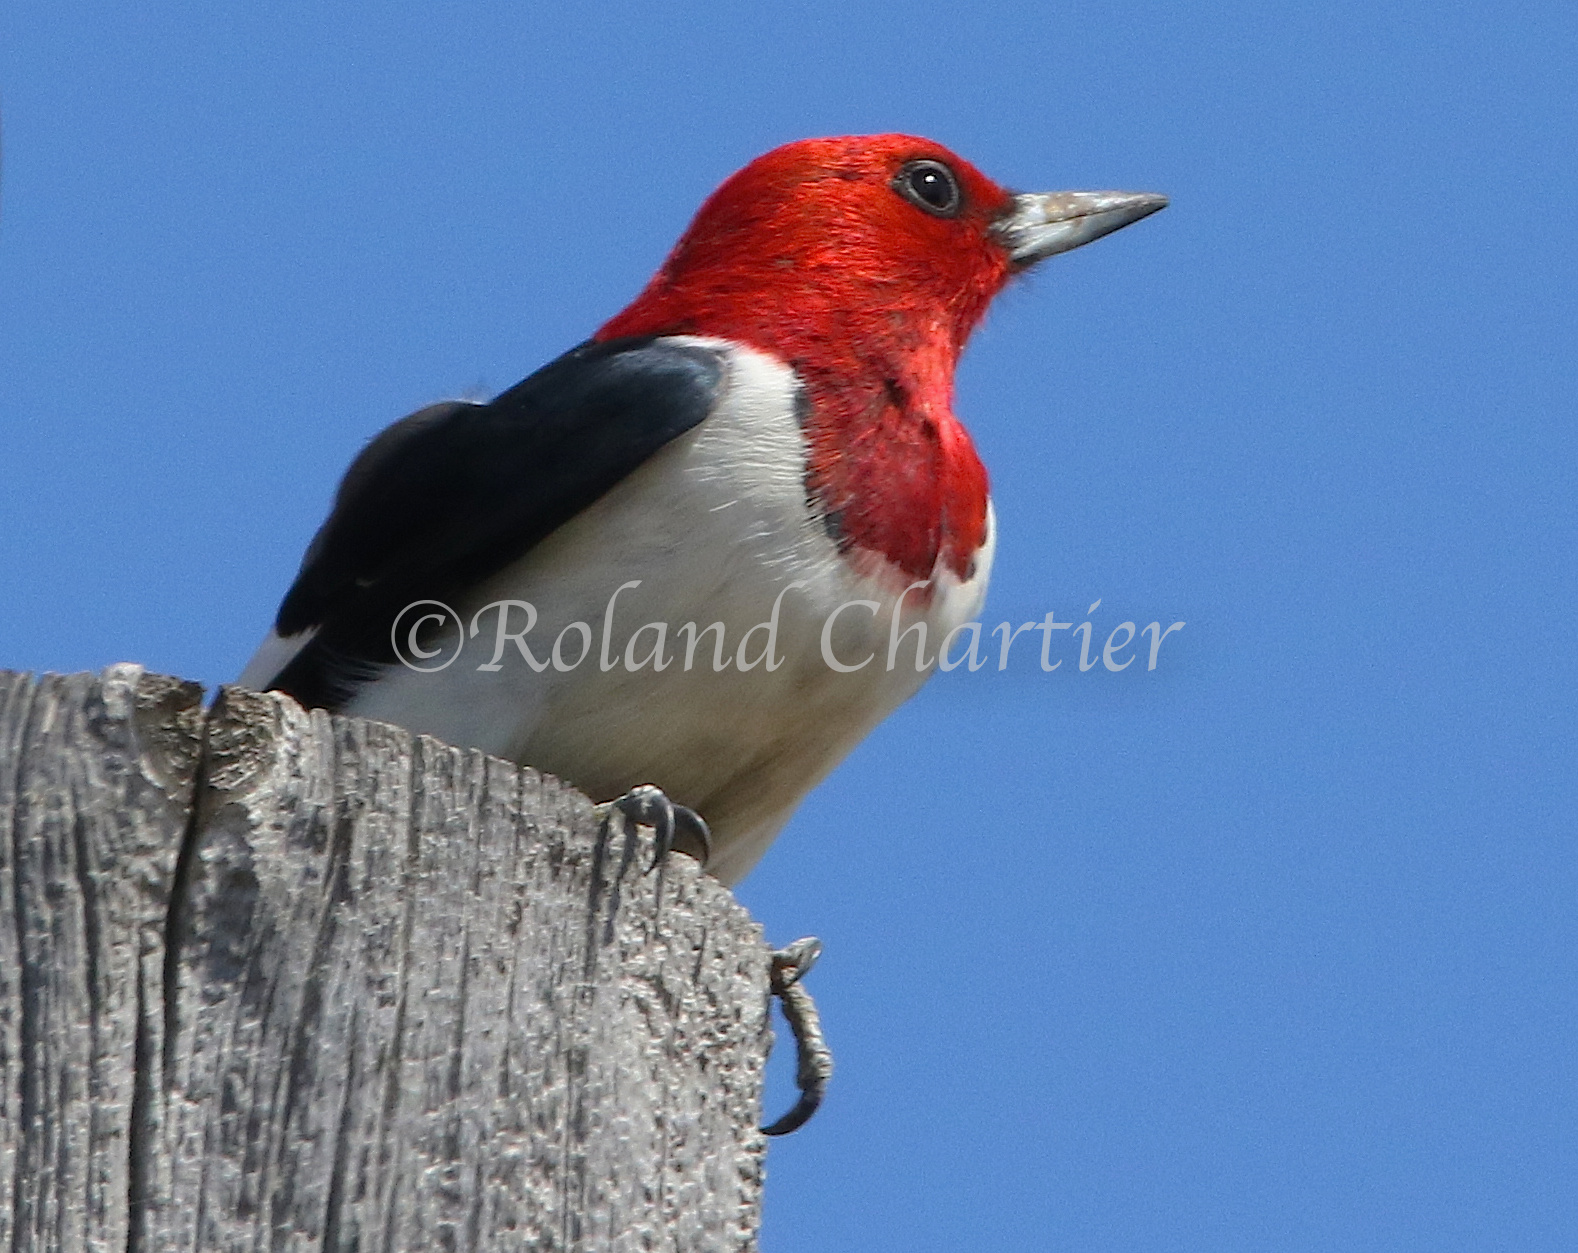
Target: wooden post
<point x="275" y="980"/>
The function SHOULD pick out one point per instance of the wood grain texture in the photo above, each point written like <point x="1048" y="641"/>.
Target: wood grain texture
<point x="420" y="999"/>
<point x="96" y="778"/>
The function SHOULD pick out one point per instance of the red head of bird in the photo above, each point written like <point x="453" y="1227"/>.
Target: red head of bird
<point x="863" y="263"/>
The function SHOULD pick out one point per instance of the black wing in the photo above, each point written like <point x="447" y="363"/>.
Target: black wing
<point x="457" y="491"/>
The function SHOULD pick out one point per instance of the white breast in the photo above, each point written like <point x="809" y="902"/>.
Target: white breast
<point x="714" y="527"/>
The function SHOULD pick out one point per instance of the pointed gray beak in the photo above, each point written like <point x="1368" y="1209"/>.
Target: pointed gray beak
<point x="1043" y="223"/>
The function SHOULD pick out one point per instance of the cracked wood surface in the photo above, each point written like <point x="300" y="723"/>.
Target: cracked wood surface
<point x="419" y="1001"/>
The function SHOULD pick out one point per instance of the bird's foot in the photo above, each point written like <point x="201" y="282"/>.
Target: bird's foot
<point x="814" y="1059"/>
<point x="673" y="826"/>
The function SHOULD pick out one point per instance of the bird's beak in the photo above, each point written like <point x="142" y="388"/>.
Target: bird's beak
<point x="1043" y="223"/>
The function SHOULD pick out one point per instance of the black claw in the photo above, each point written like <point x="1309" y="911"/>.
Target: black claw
<point x="647" y="806"/>
<point x="689" y="822"/>
<point x="815" y="1059"/>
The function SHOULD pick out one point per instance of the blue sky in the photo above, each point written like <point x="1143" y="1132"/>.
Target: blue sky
<point x="1271" y="948"/>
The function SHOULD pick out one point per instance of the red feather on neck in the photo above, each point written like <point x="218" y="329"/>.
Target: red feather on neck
<point x="809" y="254"/>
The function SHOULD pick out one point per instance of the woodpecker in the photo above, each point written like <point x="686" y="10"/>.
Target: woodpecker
<point x="744" y="508"/>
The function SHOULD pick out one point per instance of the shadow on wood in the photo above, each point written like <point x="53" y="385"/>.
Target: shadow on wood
<point x="275" y="980"/>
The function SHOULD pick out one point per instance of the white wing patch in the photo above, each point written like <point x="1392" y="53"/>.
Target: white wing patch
<point x="272" y="656"/>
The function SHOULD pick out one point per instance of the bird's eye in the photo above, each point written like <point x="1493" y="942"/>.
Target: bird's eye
<point x="931" y="186"/>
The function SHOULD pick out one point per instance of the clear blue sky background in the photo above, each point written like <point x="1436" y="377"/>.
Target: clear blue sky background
<point x="1271" y="949"/>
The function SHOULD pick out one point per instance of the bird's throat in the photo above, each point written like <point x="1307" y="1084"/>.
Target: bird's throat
<point x="890" y="467"/>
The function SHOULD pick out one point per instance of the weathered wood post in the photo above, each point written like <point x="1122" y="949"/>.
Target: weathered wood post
<point x="275" y="980"/>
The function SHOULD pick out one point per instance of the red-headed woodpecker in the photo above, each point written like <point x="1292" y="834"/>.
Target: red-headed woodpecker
<point x="710" y="548"/>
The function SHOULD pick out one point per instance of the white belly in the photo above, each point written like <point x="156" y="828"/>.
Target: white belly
<point x="714" y="527"/>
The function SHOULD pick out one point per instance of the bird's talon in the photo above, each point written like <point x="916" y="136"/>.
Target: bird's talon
<point x="793" y="962"/>
<point x="814" y="1066"/>
<point x="692" y="828"/>
<point x="673" y="826"/>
